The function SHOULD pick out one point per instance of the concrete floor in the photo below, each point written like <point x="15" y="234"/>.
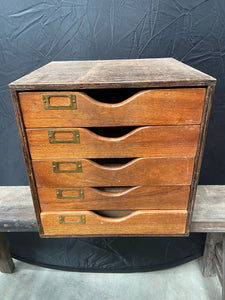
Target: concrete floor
<point x="35" y="283"/>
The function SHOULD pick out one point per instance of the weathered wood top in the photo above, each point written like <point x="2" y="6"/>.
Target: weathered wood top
<point x="112" y="73"/>
<point x="17" y="213"/>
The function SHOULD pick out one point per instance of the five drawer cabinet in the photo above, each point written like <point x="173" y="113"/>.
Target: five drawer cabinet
<point x="113" y="148"/>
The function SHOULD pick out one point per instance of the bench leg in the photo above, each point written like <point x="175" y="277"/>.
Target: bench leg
<point x="223" y="267"/>
<point x="6" y="262"/>
<point x="208" y="268"/>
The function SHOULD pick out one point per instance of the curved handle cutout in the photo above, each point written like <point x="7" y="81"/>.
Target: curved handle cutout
<point x="111" y="132"/>
<point x="114" y="191"/>
<point x="113" y="214"/>
<point x="111" y="97"/>
<point x="126" y="132"/>
<point x="113" y="166"/>
<point x="112" y="162"/>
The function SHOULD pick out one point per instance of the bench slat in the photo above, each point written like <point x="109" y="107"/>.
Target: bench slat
<point x="16" y="209"/>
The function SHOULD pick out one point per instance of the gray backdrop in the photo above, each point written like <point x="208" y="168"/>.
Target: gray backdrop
<point x="33" y="33"/>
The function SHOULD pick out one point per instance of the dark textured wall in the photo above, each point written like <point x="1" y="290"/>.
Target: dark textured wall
<point x="33" y="33"/>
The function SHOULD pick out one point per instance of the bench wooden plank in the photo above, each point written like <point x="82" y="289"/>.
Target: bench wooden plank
<point x="209" y="209"/>
<point x="17" y="213"/>
<point x="16" y="209"/>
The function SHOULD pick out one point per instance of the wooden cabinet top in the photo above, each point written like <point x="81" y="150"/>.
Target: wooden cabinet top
<point x="154" y="72"/>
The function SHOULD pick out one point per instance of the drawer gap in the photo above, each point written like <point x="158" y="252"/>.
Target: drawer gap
<point x="113" y="189"/>
<point x="112" y="132"/>
<point x="113" y="213"/>
<point x="112" y="162"/>
<point x="111" y="95"/>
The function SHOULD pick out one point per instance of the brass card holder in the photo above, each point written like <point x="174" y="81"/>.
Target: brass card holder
<point x="79" y="196"/>
<point x="81" y="219"/>
<point x="47" y="105"/>
<point x="53" y="140"/>
<point x="55" y="166"/>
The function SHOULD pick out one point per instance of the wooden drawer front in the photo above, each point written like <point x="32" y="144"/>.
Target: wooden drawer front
<point x="149" y="107"/>
<point x="156" y="141"/>
<point x="140" y="197"/>
<point x="139" y="222"/>
<point x="142" y="171"/>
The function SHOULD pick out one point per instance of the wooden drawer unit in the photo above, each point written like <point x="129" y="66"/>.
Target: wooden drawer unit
<point x="148" y="107"/>
<point x="113" y="148"/>
<point x="155" y="222"/>
<point x="140" y="171"/>
<point x="136" y="197"/>
<point x="154" y="141"/>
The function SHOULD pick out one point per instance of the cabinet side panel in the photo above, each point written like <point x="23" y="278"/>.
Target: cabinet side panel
<point x="26" y="154"/>
<point x="200" y="151"/>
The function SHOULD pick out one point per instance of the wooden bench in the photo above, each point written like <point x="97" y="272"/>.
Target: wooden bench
<point x="17" y="215"/>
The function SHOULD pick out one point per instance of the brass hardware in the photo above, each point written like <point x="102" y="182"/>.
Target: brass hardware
<point x="47" y="105"/>
<point x="55" y="165"/>
<point x="82" y="219"/>
<point x="52" y="139"/>
<point x="79" y="196"/>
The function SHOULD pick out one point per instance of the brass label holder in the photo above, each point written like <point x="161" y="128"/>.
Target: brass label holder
<point x="81" y="219"/>
<point x="78" y="169"/>
<point x="53" y="140"/>
<point x="47" y="105"/>
<point x="79" y="196"/>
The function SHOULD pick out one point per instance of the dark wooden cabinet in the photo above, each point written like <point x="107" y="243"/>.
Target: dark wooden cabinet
<point x="113" y="147"/>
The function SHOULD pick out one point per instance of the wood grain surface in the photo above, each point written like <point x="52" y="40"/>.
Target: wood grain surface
<point x="140" y="197"/>
<point x="155" y="72"/>
<point x="152" y="141"/>
<point x="138" y="222"/>
<point x="150" y="107"/>
<point x="142" y="171"/>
